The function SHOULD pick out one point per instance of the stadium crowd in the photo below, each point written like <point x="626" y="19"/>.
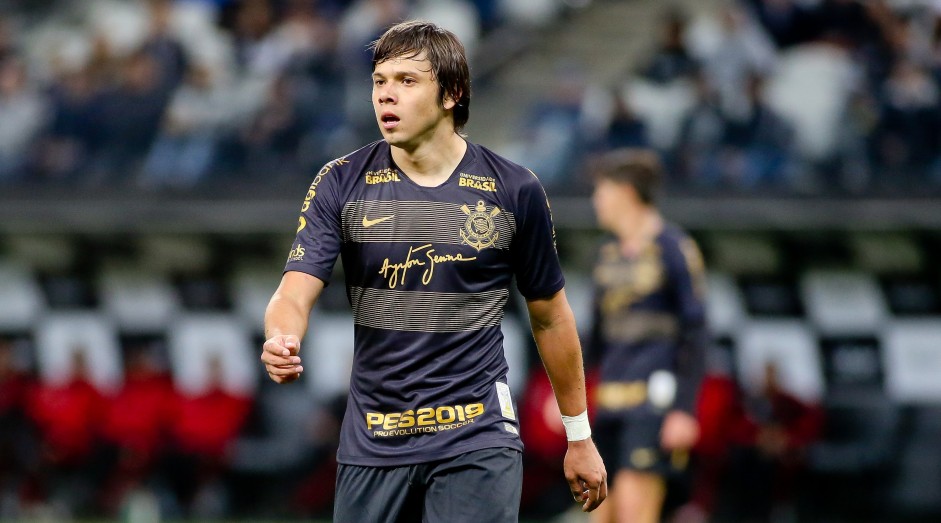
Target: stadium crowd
<point x="792" y="96"/>
<point x="767" y="97"/>
<point x="164" y="93"/>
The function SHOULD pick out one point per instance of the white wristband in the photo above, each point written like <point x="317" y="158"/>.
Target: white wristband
<point x="577" y="427"/>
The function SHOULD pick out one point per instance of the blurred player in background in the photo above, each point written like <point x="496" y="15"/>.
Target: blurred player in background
<point x="432" y="229"/>
<point x="648" y="337"/>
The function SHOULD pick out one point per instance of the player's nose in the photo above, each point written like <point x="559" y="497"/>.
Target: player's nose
<point x="385" y="95"/>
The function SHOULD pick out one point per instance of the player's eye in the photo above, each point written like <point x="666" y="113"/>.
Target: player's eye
<point x="408" y="81"/>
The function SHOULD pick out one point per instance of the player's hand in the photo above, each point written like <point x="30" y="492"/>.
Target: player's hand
<point x="680" y="431"/>
<point x="585" y="472"/>
<point x="280" y="356"/>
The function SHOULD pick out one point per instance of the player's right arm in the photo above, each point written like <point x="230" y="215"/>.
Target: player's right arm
<point x="286" y="321"/>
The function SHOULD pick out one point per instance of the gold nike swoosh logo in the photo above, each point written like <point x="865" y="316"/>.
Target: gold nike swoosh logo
<point x="367" y="223"/>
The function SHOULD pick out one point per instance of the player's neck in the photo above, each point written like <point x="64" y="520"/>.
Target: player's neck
<point x="431" y="162"/>
<point x="638" y="229"/>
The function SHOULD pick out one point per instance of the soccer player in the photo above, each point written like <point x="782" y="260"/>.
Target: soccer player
<point x="648" y="337"/>
<point x="432" y="228"/>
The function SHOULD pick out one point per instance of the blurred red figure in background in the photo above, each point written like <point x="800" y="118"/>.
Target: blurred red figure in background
<point x="138" y="417"/>
<point x="751" y="446"/>
<point x="68" y="415"/>
<point x="135" y="426"/>
<point x="206" y="423"/>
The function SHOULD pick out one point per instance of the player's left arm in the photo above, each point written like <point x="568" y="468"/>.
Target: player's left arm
<point x="554" y="330"/>
<point x="687" y="275"/>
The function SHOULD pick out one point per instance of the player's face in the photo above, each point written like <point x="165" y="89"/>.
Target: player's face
<point x="405" y="99"/>
<point x="611" y="200"/>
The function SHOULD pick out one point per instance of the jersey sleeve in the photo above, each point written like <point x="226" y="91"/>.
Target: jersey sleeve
<point x="535" y="259"/>
<point x="319" y="234"/>
<point x="685" y="266"/>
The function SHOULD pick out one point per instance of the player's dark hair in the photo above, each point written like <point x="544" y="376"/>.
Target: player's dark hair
<point x="442" y="49"/>
<point x="637" y="167"/>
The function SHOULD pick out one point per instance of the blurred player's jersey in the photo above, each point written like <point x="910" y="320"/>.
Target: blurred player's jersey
<point x="427" y="271"/>
<point x="649" y="317"/>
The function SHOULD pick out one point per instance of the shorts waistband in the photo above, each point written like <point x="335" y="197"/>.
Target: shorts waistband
<point x="621" y="395"/>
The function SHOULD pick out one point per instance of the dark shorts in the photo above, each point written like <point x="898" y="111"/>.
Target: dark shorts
<point x="479" y="486"/>
<point x="631" y="440"/>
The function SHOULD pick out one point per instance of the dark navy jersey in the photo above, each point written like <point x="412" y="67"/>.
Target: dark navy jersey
<point x="648" y="317"/>
<point x="428" y="271"/>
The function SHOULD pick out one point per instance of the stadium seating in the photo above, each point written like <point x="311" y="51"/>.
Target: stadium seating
<point x="725" y="309"/>
<point x="843" y="303"/>
<point x="58" y="335"/>
<point x="138" y="302"/>
<point x="23" y="299"/>
<point x="787" y="344"/>
<point x="195" y="339"/>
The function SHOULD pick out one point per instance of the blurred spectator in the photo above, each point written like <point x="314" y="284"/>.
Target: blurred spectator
<point x="204" y="428"/>
<point x="185" y="148"/>
<point x="769" y="433"/>
<point x="906" y="138"/>
<point x="309" y="35"/>
<point x="758" y="142"/>
<point x="315" y="78"/>
<point x="870" y="30"/>
<point x="160" y="44"/>
<point x="16" y="436"/>
<point x="852" y="169"/>
<point x="741" y="49"/>
<point x="128" y="119"/>
<point x="135" y="425"/>
<point x="268" y="145"/>
<point x="625" y="129"/>
<point x="68" y="416"/>
<point x="716" y="411"/>
<point x="313" y="487"/>
<point x="258" y="51"/>
<point x="65" y="148"/>
<point x="552" y="142"/>
<point x="671" y="60"/>
<point x="788" y="22"/>
<point x="22" y="114"/>
<point x="847" y="22"/>
<point x="696" y="158"/>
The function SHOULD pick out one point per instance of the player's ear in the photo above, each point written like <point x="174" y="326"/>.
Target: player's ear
<point x="450" y="101"/>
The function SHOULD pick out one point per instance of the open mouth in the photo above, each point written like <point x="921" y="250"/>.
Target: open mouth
<point x="389" y="121"/>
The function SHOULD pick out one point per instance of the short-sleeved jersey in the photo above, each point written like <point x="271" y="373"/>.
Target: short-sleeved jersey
<point x="649" y="316"/>
<point x="427" y="271"/>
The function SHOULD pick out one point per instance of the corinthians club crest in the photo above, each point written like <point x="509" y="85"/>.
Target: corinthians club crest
<point x="479" y="231"/>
